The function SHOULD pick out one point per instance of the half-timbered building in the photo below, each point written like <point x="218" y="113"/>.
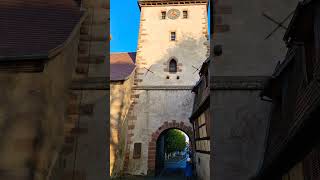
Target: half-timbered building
<point x="200" y="120"/>
<point x="292" y="145"/>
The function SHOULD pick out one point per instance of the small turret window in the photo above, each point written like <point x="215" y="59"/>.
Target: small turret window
<point x="173" y="66"/>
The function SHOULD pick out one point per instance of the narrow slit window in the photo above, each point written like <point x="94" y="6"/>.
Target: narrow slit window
<point x="173" y="36"/>
<point x="185" y="14"/>
<point x="173" y="66"/>
<point x="163" y="15"/>
<point x="137" y="151"/>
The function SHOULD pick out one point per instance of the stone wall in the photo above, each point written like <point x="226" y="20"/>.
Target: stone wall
<point x="87" y="133"/>
<point x="54" y="124"/>
<point x="202" y="162"/>
<point x="32" y="116"/>
<point x="241" y="28"/>
<point x="238" y="133"/>
<point x="239" y="116"/>
<point x="120" y="101"/>
<point x="154" y="108"/>
<point x="155" y="49"/>
<point x="85" y="148"/>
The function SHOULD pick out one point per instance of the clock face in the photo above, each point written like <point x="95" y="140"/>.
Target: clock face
<point x="173" y="13"/>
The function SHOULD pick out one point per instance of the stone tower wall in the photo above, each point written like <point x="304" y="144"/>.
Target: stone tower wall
<point x="87" y="127"/>
<point x="157" y="100"/>
<point x="155" y="48"/>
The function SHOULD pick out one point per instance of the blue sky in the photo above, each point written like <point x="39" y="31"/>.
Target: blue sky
<point x="124" y="25"/>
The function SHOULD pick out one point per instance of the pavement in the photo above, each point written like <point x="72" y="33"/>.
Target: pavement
<point x="172" y="171"/>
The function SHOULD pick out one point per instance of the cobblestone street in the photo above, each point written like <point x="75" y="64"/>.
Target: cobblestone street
<point x="172" y="171"/>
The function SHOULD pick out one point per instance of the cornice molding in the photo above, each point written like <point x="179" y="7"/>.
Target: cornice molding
<point x="91" y="83"/>
<point x="162" y="88"/>
<point x="238" y="82"/>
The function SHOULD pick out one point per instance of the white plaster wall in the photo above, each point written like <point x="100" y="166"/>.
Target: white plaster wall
<point x="155" y="49"/>
<point x="154" y="107"/>
<point x="202" y="167"/>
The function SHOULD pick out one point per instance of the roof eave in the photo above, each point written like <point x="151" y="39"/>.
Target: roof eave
<point x="45" y="56"/>
<point x="125" y="78"/>
<point x="53" y="52"/>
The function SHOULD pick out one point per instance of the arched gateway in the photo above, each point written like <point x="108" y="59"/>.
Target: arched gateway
<point x="153" y="142"/>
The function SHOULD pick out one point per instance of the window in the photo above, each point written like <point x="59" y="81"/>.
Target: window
<point x="163" y="15"/>
<point x="137" y="151"/>
<point x="173" y="36"/>
<point x="173" y="66"/>
<point x="185" y="14"/>
<point x="202" y="137"/>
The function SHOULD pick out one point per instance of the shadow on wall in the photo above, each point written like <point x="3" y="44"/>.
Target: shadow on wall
<point x="188" y="45"/>
<point x="119" y="126"/>
<point x="196" y="50"/>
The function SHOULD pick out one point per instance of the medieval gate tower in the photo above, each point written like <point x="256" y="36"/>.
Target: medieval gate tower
<point x="173" y="43"/>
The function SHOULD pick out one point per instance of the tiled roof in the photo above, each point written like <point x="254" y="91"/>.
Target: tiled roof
<point x="34" y="27"/>
<point x="121" y="65"/>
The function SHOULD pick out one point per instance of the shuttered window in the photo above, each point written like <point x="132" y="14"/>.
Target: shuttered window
<point x="202" y="137"/>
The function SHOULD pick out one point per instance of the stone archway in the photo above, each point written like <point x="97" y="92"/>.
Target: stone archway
<point x="153" y="145"/>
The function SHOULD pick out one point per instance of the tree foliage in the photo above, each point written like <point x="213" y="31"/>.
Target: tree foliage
<point x="175" y="141"/>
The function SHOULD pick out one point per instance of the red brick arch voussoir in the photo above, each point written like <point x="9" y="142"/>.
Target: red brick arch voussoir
<point x="153" y="143"/>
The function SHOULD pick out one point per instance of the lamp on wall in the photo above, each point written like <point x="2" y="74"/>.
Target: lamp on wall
<point x="217" y="50"/>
